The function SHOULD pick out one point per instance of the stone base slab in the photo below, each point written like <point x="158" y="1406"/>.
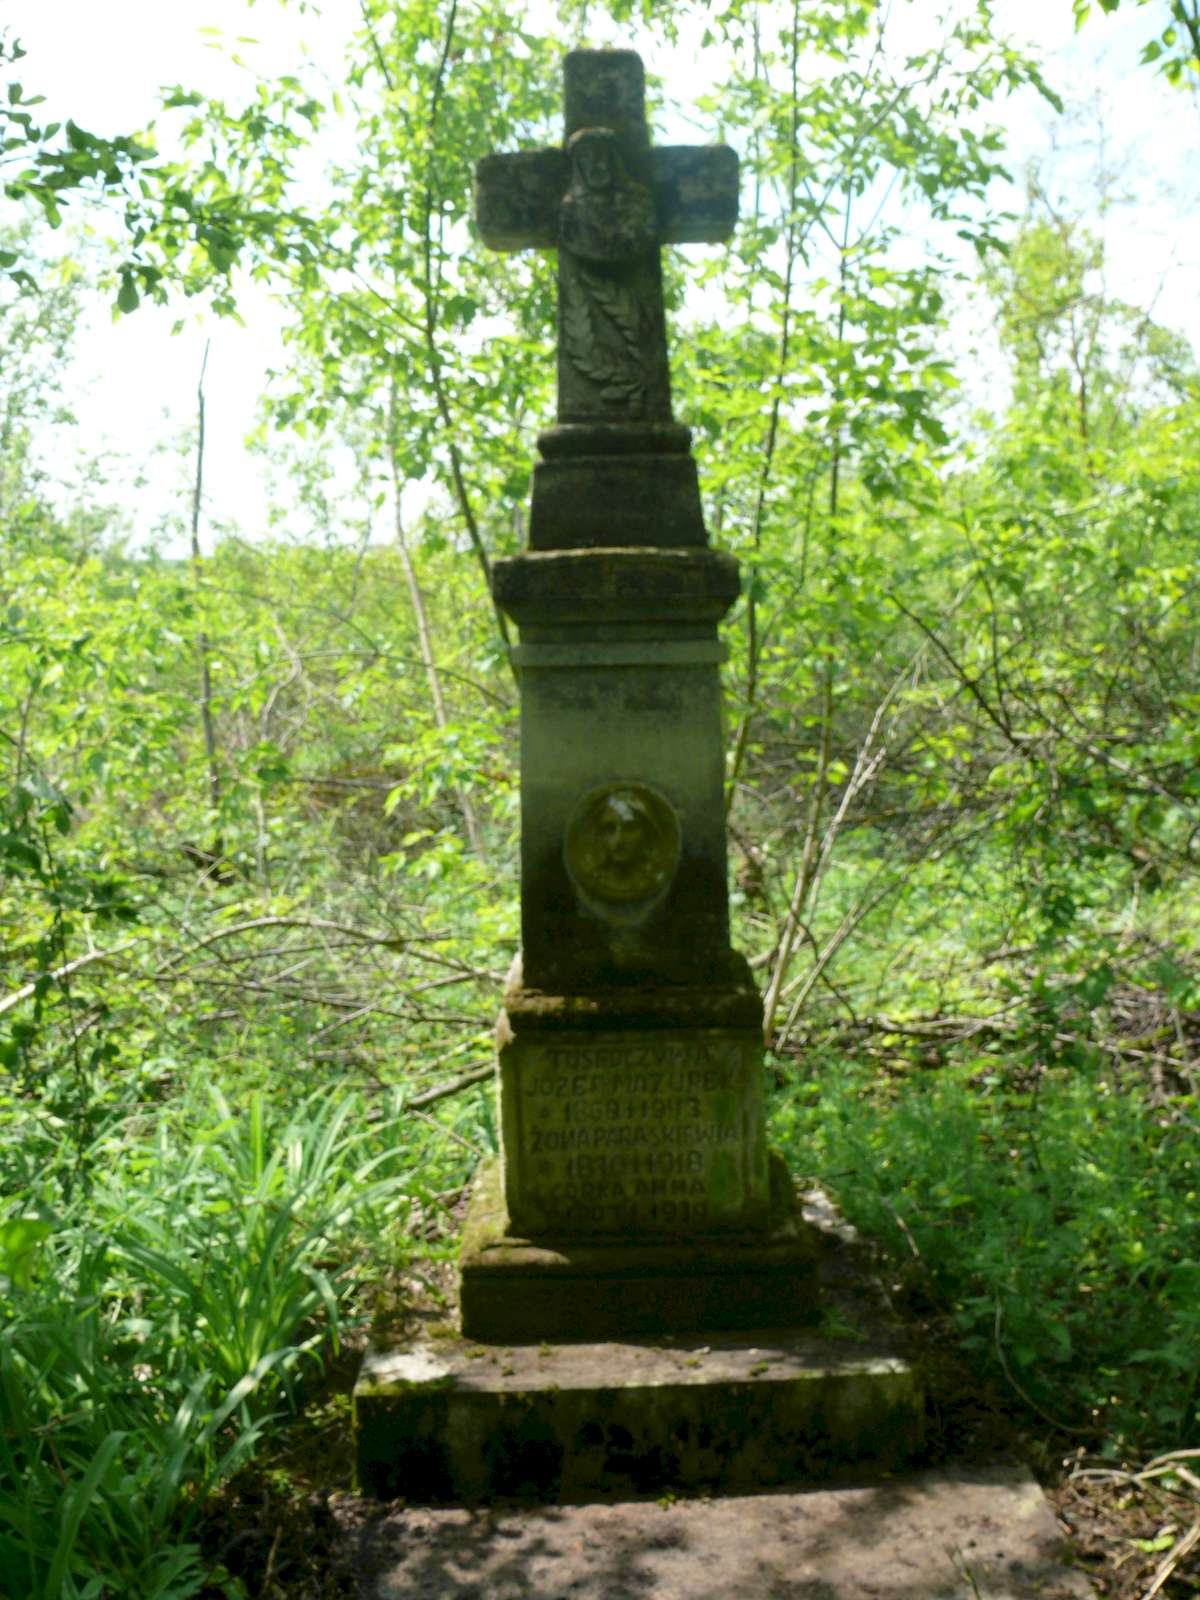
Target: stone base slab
<point x="515" y="1289"/>
<point x="957" y="1533"/>
<point x="443" y="1418"/>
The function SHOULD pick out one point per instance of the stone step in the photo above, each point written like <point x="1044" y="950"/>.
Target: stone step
<point x="961" y="1533"/>
<point x="449" y="1421"/>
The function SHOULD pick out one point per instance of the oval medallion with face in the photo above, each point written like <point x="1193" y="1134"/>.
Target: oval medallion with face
<point x="622" y="847"/>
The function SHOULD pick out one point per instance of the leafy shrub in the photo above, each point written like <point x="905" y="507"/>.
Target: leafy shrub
<point x="1057" y="1224"/>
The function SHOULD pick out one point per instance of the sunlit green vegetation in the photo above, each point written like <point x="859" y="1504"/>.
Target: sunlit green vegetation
<point x="258" y="805"/>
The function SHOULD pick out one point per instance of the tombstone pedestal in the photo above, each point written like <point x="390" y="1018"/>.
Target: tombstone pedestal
<point x="623" y="860"/>
<point x="636" y="1194"/>
<point x="642" y="1122"/>
<point x="587" y="473"/>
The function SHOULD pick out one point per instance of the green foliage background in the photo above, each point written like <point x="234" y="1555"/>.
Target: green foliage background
<point x="258" y="807"/>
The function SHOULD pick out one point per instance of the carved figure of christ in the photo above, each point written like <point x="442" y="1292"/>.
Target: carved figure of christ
<point x="607" y="201"/>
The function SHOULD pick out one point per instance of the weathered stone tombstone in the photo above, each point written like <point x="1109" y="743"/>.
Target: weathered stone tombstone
<point x="635" y="1174"/>
<point x="636" y="1200"/>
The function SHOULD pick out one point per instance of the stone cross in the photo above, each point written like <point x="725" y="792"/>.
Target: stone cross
<point x="607" y="201"/>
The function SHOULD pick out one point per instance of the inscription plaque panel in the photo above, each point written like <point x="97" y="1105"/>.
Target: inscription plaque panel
<point x="633" y="1135"/>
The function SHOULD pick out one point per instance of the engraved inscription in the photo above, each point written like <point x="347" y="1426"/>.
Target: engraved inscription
<point x="641" y="1135"/>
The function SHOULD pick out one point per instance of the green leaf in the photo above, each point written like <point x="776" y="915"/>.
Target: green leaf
<point x="19" y="1239"/>
<point x="1151" y="1547"/>
<point x="128" y="298"/>
<point x="74" y="1509"/>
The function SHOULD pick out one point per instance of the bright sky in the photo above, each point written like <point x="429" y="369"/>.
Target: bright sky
<point x="133" y="385"/>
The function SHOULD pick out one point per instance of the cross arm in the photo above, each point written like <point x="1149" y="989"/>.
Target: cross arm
<point x="695" y="191"/>
<point x="517" y="198"/>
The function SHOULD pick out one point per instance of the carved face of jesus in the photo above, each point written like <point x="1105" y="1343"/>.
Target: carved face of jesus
<point x="594" y="156"/>
<point x="605" y="214"/>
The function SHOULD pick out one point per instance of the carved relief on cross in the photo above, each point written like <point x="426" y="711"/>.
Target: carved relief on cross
<point x="607" y="200"/>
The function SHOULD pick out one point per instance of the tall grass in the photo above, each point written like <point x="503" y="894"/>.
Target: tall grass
<point x="157" y="1316"/>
